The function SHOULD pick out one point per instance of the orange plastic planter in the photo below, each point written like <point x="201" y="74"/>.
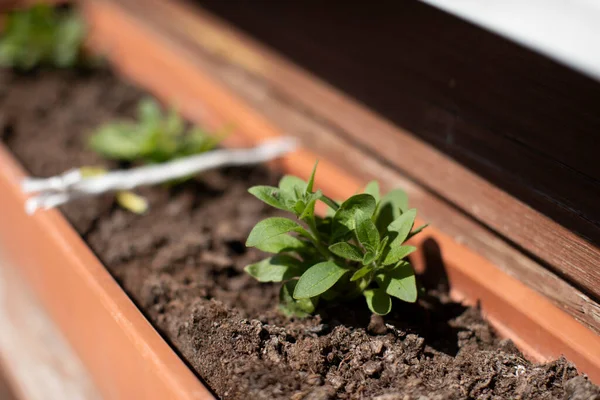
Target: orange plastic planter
<point x="123" y="353"/>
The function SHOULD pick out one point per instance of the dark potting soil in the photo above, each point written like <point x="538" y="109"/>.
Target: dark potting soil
<point x="182" y="263"/>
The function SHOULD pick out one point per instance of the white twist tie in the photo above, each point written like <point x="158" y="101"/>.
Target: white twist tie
<point x="57" y="190"/>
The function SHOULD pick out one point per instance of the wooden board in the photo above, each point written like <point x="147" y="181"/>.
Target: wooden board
<point x="500" y="116"/>
<point x="524" y="122"/>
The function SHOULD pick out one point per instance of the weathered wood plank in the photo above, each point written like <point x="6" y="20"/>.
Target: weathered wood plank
<point x="330" y="140"/>
<point x="456" y="86"/>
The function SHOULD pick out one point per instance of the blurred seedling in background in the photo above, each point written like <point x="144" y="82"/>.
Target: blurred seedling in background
<point x="356" y="249"/>
<point x="43" y="36"/>
<point x="48" y="36"/>
<point x="154" y="137"/>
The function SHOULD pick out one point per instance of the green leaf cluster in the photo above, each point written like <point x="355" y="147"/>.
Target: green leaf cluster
<point x="153" y="138"/>
<point x="42" y="36"/>
<point x="357" y="249"/>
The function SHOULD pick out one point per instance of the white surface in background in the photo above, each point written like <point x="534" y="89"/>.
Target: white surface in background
<point x="565" y="30"/>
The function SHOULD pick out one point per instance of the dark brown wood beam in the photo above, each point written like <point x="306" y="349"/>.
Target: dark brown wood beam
<point x="514" y="117"/>
<point x="499" y="116"/>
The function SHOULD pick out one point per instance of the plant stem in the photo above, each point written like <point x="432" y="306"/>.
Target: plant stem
<point x="316" y="238"/>
<point x="330" y="202"/>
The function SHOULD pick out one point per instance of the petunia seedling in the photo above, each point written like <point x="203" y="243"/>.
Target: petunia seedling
<point x="357" y="249"/>
<point x="42" y="36"/>
<point x="154" y="137"/>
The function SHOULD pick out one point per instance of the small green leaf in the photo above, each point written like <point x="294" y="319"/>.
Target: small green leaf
<point x="281" y="244"/>
<point x="269" y="228"/>
<point x="332" y="204"/>
<point x="382" y="246"/>
<point x="173" y="124"/>
<point x="311" y="201"/>
<point x="400" y="228"/>
<point x="399" y="282"/>
<point x="378" y="301"/>
<point x="395" y="254"/>
<point x="275" y="269"/>
<point x="160" y="146"/>
<point x="295" y="307"/>
<point x="344" y="219"/>
<point x="311" y="181"/>
<point x="361" y="273"/>
<point x="299" y="207"/>
<point x="366" y="231"/>
<point x="347" y="251"/>
<point x="270" y="195"/>
<point x="391" y="206"/>
<point x="291" y="183"/>
<point x="132" y="202"/>
<point x="69" y="38"/>
<point x="149" y="111"/>
<point x="153" y="138"/>
<point x="197" y="141"/>
<point x="118" y="141"/>
<point x="372" y="188"/>
<point x="417" y="230"/>
<point x="41" y="35"/>
<point x="318" y="278"/>
<point x="369" y="257"/>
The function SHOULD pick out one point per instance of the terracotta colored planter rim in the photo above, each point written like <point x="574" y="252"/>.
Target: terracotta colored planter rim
<point x="128" y="359"/>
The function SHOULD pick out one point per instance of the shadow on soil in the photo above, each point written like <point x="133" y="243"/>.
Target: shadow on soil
<point x="430" y="317"/>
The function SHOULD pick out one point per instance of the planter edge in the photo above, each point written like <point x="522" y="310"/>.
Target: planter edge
<point x="123" y="353"/>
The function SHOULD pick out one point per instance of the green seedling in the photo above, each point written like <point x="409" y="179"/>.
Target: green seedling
<point x="153" y="138"/>
<point x="358" y="248"/>
<point x="42" y="36"/>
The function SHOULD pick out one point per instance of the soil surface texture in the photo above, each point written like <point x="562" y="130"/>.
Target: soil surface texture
<point x="182" y="263"/>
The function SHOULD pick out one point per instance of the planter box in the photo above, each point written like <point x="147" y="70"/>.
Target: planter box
<point x="128" y="359"/>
